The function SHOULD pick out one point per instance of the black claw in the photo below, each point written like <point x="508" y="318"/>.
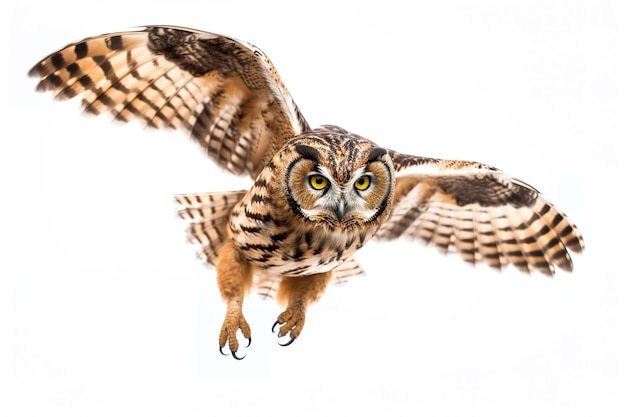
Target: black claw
<point x="288" y="343"/>
<point x="274" y="326"/>
<point x="282" y="335"/>
<point x="237" y="357"/>
<point x="234" y="354"/>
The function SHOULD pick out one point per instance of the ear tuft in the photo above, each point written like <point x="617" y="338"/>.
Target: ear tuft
<point x="308" y="152"/>
<point x="376" y="154"/>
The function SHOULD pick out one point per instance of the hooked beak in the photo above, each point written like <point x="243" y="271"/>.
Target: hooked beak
<point x="340" y="209"/>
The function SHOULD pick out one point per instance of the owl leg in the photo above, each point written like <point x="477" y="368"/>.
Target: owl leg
<point x="234" y="279"/>
<point x="298" y="293"/>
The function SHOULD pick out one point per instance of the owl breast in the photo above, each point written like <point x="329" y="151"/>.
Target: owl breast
<point x="280" y="246"/>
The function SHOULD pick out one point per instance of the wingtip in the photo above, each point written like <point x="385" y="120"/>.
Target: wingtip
<point x="36" y="71"/>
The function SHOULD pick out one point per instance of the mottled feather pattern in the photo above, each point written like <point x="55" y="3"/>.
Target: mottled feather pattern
<point x="208" y="214"/>
<point x="483" y="215"/>
<point x="263" y="222"/>
<point x="318" y="195"/>
<point x="264" y="232"/>
<point x="225" y="93"/>
<point x="266" y="286"/>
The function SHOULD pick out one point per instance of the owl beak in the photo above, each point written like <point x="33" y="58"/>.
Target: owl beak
<point x="340" y="210"/>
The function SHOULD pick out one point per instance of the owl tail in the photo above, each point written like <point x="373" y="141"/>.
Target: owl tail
<point x="208" y="215"/>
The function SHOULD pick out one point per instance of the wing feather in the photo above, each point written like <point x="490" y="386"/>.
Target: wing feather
<point x="481" y="213"/>
<point x="226" y="94"/>
<point x="208" y="215"/>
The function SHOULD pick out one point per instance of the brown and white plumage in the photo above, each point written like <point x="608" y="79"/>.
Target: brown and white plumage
<point x="225" y="93"/>
<point x="318" y="194"/>
<point x="480" y="213"/>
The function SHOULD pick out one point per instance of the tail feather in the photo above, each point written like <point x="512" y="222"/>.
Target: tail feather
<point x="208" y="215"/>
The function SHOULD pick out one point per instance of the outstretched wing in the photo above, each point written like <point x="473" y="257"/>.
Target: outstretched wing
<point x="479" y="212"/>
<point x="225" y="93"/>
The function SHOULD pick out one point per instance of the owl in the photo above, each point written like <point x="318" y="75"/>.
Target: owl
<point x="318" y="194"/>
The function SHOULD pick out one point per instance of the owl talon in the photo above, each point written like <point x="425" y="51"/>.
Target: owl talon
<point x="274" y="326"/>
<point x="291" y="322"/>
<point x="288" y="343"/>
<point x="222" y="352"/>
<point x="247" y="346"/>
<point x="237" y="357"/>
<point x="234" y="322"/>
<point x="282" y="335"/>
<point x="234" y="354"/>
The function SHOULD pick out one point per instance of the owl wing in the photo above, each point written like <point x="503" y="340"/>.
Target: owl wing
<point x="225" y="93"/>
<point x="208" y="215"/>
<point x="479" y="212"/>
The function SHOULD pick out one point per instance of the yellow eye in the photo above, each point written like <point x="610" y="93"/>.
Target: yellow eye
<point x="318" y="182"/>
<point x="362" y="183"/>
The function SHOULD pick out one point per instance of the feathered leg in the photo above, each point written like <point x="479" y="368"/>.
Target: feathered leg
<point x="234" y="279"/>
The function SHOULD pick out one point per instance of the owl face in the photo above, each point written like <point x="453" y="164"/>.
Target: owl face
<point x="340" y="183"/>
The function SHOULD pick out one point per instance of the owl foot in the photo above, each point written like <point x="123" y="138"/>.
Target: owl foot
<point x="292" y="322"/>
<point x="234" y="321"/>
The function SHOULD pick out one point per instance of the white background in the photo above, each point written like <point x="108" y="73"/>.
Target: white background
<point x="104" y="310"/>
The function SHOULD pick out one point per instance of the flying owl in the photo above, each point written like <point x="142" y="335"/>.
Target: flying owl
<point x="318" y="194"/>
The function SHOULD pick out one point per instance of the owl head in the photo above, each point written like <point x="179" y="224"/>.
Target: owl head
<point x="339" y="179"/>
